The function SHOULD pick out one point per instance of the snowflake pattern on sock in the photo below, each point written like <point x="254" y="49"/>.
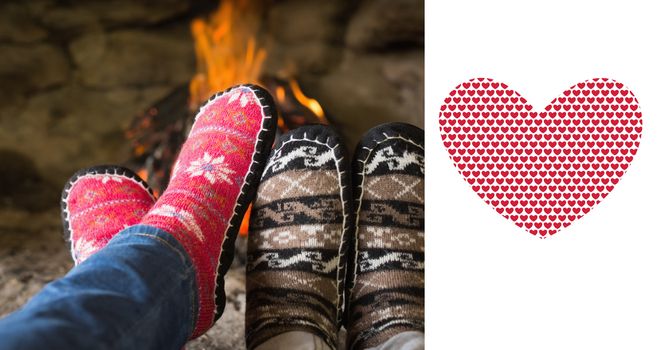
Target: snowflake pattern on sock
<point x="212" y="183"/>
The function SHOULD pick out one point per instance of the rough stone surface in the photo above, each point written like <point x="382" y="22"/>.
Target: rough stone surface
<point x="17" y="24"/>
<point x="382" y="23"/>
<point x="32" y="253"/>
<point x="139" y="12"/>
<point x="305" y="36"/>
<point x="88" y="49"/>
<point x="23" y="187"/>
<point x="72" y="127"/>
<point x="32" y="67"/>
<point x="299" y="21"/>
<point x="368" y="90"/>
<point x="70" y="21"/>
<point x="314" y="58"/>
<point x="133" y="58"/>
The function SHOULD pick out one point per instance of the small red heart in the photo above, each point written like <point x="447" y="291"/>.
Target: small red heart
<point x="541" y="170"/>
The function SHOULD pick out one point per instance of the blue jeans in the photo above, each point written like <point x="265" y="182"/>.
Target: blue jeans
<point x="139" y="292"/>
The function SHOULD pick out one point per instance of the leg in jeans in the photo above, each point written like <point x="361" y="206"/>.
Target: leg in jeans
<point x="119" y="298"/>
<point x="123" y="296"/>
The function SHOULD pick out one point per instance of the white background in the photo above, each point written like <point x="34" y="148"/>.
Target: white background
<point x="491" y="285"/>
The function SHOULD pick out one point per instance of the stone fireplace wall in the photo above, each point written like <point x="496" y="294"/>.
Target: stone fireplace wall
<point x="73" y="74"/>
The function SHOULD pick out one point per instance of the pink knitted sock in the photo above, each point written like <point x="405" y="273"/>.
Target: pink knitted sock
<point x="99" y="202"/>
<point x="212" y="183"/>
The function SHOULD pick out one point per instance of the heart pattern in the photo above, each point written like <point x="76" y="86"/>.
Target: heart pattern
<point x="541" y="169"/>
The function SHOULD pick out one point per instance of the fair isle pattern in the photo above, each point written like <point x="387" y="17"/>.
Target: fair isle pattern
<point x="213" y="169"/>
<point x="386" y="279"/>
<point x="99" y="202"/>
<point x="393" y="161"/>
<point x="213" y="181"/>
<point x="184" y="217"/>
<point x="297" y="251"/>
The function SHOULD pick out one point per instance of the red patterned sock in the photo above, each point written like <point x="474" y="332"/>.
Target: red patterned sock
<point x="99" y="202"/>
<point x="213" y="181"/>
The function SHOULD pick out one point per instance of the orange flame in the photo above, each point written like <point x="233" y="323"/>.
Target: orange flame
<point x="310" y="103"/>
<point x="227" y="53"/>
<point x="143" y="173"/>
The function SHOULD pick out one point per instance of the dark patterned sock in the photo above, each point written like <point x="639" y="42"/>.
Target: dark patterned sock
<point x="297" y="251"/>
<point x="385" y="287"/>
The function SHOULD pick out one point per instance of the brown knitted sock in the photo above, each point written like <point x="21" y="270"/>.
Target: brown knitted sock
<point x="385" y="287"/>
<point x="301" y="217"/>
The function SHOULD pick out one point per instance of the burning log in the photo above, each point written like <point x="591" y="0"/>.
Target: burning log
<point x="157" y="135"/>
<point x="295" y="108"/>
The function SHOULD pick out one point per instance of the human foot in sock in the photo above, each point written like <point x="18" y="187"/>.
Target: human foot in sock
<point x="212" y="182"/>
<point x="385" y="287"/>
<point x="300" y="220"/>
<point x="99" y="202"/>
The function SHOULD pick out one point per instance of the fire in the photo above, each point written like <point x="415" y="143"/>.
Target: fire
<point x="309" y="103"/>
<point x="228" y="54"/>
<point x="226" y="50"/>
<point x="143" y="173"/>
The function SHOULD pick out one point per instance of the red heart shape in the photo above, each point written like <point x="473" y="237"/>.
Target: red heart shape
<point x="527" y="158"/>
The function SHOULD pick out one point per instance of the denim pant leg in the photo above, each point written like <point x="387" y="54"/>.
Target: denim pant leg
<point x="138" y="292"/>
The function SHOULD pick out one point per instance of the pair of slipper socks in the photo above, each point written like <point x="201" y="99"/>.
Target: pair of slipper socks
<point x="302" y="227"/>
<point x="215" y="176"/>
<point x="314" y="252"/>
